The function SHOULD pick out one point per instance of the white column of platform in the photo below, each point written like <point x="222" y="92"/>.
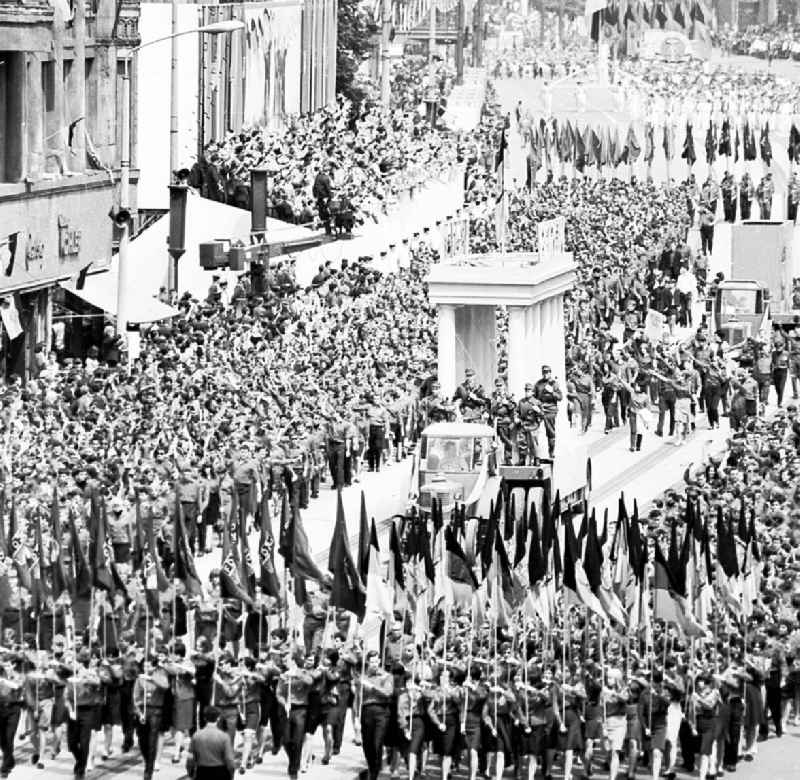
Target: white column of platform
<point x="446" y="346"/>
<point x="518" y="349"/>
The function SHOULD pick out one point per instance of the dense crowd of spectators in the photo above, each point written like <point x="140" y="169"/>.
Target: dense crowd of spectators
<point x="344" y="153"/>
<point x="764" y="41"/>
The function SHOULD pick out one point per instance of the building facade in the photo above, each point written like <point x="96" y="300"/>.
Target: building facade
<point x="60" y="147"/>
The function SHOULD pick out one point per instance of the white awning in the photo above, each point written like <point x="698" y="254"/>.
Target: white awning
<point x="100" y="291"/>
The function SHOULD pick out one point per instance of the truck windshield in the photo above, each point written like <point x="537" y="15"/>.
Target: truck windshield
<point x="450" y="454"/>
<point x="738" y="302"/>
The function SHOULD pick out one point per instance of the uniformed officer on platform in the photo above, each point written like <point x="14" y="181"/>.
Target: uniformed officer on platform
<point x="502" y="411"/>
<point x="471" y="398"/>
<point x="529" y="414"/>
<point x="548" y="393"/>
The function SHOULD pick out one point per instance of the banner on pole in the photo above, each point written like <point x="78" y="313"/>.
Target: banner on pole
<point x="550" y="238"/>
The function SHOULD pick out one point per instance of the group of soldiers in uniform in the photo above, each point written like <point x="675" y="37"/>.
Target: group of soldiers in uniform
<point x="517" y="422"/>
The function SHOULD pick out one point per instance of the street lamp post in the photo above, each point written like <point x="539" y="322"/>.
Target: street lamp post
<point x="218" y="28"/>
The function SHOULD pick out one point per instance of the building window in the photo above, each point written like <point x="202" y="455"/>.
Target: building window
<point x="12" y="106"/>
<point x="49" y="86"/>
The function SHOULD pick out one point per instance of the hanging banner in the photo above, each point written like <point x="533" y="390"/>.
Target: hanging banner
<point x="550" y="238"/>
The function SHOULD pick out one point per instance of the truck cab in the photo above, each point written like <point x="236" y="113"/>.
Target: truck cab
<point x="740" y="309"/>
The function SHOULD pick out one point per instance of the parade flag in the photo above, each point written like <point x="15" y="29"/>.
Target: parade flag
<point x="185" y="569"/>
<point x="594" y="146"/>
<point x="139" y="543"/>
<point x="500" y="198"/>
<point x="593" y="13"/>
<point x="20" y="554"/>
<point x="647" y="16"/>
<point x="230" y="584"/>
<point x="509" y="515"/>
<point x="379" y="599"/>
<point x="459" y="569"/>
<point x="704" y="588"/>
<point x="362" y="557"/>
<point x="725" y="139"/>
<point x="269" y="583"/>
<point x="649" y="142"/>
<point x="679" y="17"/>
<point x="632" y="147"/>
<point x="39" y="589"/>
<point x="58" y="575"/>
<point x="728" y="573"/>
<point x="6" y="593"/>
<point x="660" y="15"/>
<point x="766" y="146"/>
<point x="247" y="571"/>
<point x="669" y="604"/>
<point x="580" y="150"/>
<point x="347" y="588"/>
<point x="606" y="154"/>
<point x="293" y="546"/>
<point x="100" y="547"/>
<point x="749" y="141"/>
<point x="688" y="147"/>
<point x="630" y="15"/>
<point x="668" y="141"/>
<point x="618" y="148"/>
<point x="521" y="535"/>
<point x="794" y="144"/>
<point x="82" y="581"/>
<point x="698" y="16"/>
<point x="575" y="576"/>
<point x="537" y="567"/>
<point x="711" y="143"/>
<point x="566" y="145"/>
<point x="396" y="572"/>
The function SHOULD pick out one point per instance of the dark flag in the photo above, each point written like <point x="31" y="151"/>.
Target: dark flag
<point x="580" y="151"/>
<point x="537" y="568"/>
<point x="688" y="147"/>
<point x="458" y="568"/>
<point x="363" y="539"/>
<point x="725" y="139"/>
<point x="58" y="575"/>
<point x="766" y="146"/>
<point x="185" y="569"/>
<point x="230" y="583"/>
<point x="678" y="16"/>
<point x="647" y="17"/>
<point x="82" y="582"/>
<point x="711" y="143"/>
<point x="750" y="152"/>
<point x="649" y="143"/>
<point x="660" y="15"/>
<point x="794" y="144"/>
<point x="269" y="583"/>
<point x="521" y="535"/>
<point x="347" y="588"/>
<point x="397" y="573"/>
<point x="101" y="560"/>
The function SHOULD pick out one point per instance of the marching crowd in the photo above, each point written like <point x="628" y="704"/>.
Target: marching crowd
<point x="256" y="399"/>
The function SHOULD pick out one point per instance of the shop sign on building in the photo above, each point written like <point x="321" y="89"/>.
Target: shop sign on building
<point x="69" y="240"/>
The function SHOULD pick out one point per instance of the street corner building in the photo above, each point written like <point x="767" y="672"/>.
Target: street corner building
<point x="65" y="136"/>
<point x="60" y="151"/>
